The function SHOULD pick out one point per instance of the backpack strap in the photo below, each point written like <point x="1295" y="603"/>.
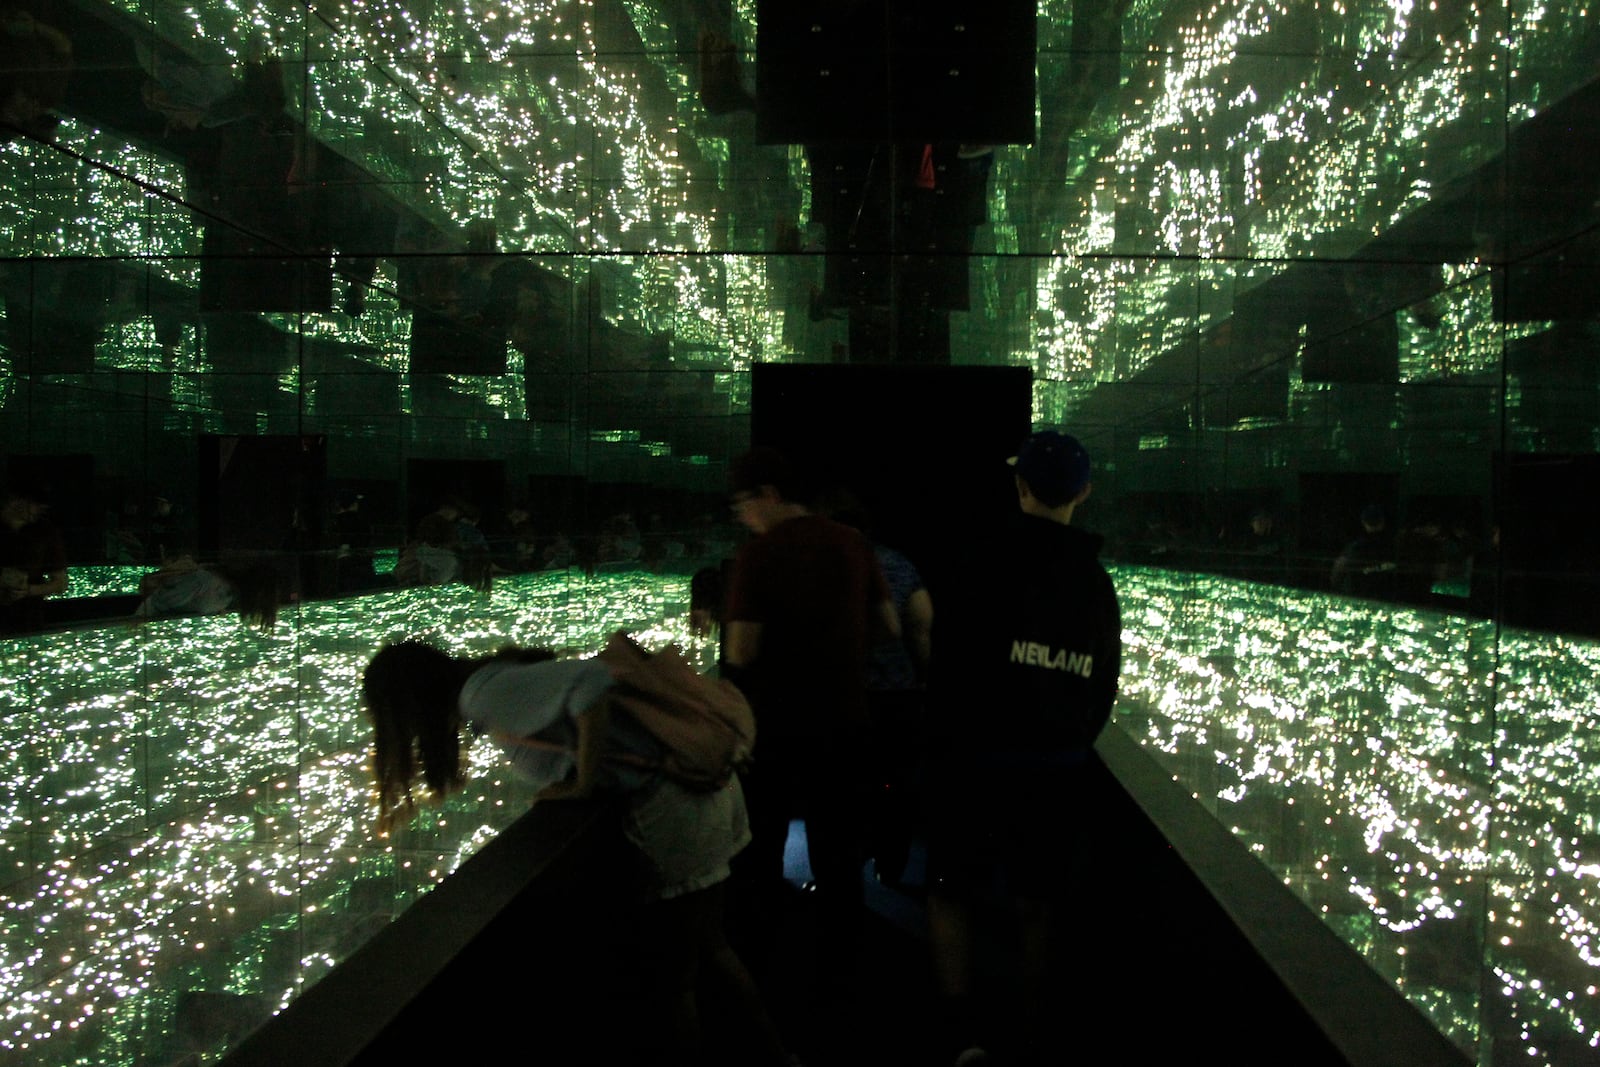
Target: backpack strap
<point x="704" y="726"/>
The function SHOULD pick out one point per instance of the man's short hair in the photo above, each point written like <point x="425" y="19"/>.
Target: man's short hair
<point x="1055" y="466"/>
<point x="767" y="466"/>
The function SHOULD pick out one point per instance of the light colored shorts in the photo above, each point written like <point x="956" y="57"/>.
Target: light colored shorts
<point x="687" y="836"/>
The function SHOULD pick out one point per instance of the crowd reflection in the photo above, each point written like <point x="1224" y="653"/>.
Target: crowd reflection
<point x="99" y="555"/>
<point x="1422" y="554"/>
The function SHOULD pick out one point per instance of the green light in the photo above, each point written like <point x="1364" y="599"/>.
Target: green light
<point x="1410" y="747"/>
<point x="184" y="804"/>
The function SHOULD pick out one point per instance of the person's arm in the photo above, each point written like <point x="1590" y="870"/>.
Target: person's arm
<point x="151" y="581"/>
<point x="54" y="569"/>
<point x="1339" y="577"/>
<point x="919" y="629"/>
<point x="593" y="726"/>
<point x="888" y="619"/>
<point x="885" y="615"/>
<point x="1108" y="661"/>
<point x="741" y="642"/>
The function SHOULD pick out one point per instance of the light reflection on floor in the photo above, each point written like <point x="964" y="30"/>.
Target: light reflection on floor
<point x="184" y="811"/>
<point x="185" y="824"/>
<point x="1429" y="791"/>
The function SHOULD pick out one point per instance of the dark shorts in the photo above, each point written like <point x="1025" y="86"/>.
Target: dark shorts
<point x="1016" y="827"/>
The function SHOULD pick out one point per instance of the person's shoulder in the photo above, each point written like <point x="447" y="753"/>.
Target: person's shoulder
<point x="849" y="535"/>
<point x="509" y="670"/>
<point x="894" y="561"/>
<point x="751" y="548"/>
<point x="812" y="524"/>
<point x="1046" y="548"/>
<point x="811" y="530"/>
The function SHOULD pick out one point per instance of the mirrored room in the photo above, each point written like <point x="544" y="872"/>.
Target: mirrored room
<point x="332" y="322"/>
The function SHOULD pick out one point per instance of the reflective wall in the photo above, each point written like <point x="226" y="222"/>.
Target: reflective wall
<point x="291" y="289"/>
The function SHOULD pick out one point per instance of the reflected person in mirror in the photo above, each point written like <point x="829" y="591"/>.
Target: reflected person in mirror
<point x="184" y="587"/>
<point x="33" y="558"/>
<point x="35" y="66"/>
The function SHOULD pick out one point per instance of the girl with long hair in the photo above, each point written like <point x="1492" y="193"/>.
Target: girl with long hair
<point x="553" y="720"/>
<point x="185" y="587"/>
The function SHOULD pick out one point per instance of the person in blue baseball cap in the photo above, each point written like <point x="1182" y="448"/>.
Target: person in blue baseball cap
<point x="1052" y="472"/>
<point x="1027" y="648"/>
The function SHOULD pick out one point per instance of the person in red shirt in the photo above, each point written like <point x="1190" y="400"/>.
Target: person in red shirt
<point x="805" y="599"/>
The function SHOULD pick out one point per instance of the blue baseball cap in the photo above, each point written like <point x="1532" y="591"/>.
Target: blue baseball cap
<point x="1055" y="466"/>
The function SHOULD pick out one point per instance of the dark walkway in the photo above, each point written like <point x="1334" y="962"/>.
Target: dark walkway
<point x="1161" y="975"/>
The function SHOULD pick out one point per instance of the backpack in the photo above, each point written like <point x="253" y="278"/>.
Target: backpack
<point x="706" y="728"/>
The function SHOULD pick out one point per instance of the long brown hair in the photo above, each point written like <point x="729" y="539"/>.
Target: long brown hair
<point x="255" y="593"/>
<point x="411" y="691"/>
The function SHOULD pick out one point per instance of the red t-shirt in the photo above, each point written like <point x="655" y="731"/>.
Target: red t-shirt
<point x="814" y="585"/>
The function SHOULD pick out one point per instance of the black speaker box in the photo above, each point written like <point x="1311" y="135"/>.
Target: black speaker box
<point x="895" y="70"/>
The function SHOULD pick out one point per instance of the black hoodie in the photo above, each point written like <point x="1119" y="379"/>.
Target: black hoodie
<point x="1027" y="645"/>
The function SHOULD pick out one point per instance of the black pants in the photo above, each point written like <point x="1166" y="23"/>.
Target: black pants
<point x="897" y="750"/>
<point x="823" y="785"/>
